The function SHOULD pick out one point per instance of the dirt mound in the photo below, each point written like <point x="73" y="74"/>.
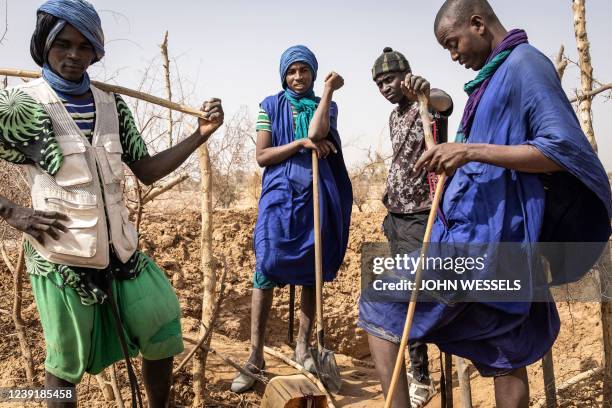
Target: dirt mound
<point x="176" y="248"/>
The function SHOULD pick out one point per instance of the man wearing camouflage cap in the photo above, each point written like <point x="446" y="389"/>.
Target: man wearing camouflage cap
<point x="408" y="200"/>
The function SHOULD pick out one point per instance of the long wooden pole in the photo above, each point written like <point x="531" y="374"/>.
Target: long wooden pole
<point x="465" y="389"/>
<point x="208" y="273"/>
<point x="586" y="121"/>
<point x="116" y="89"/>
<point x="318" y="257"/>
<point x="586" y="70"/>
<point x="429" y="141"/>
<point x="415" y="293"/>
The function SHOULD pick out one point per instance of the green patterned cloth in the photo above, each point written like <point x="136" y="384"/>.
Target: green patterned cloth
<point x="26" y="136"/>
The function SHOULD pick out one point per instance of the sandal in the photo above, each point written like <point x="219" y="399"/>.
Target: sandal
<point x="242" y="383"/>
<point x="420" y="393"/>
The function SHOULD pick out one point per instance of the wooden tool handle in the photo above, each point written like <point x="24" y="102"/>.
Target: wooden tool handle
<point x="415" y="293"/>
<point x="116" y="89"/>
<point x="318" y="249"/>
<point x="429" y="141"/>
<point x="424" y="113"/>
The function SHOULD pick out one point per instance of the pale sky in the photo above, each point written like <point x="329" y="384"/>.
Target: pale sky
<point x="231" y="49"/>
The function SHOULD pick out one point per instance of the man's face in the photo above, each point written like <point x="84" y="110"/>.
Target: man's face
<point x="389" y="86"/>
<point x="70" y="54"/>
<point x="299" y="77"/>
<point x="465" y="42"/>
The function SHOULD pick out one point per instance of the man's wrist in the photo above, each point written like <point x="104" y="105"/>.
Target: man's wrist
<point x="475" y="152"/>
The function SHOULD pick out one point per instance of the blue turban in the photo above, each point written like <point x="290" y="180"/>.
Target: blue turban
<point x="298" y="53"/>
<point x="81" y="15"/>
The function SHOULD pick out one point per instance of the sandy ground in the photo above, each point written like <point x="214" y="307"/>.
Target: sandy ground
<point x="173" y="241"/>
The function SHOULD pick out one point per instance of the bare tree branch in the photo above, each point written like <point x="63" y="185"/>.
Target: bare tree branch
<point x="560" y="63"/>
<point x="157" y="191"/>
<point x="3" y="36"/>
<point x="166" y="63"/>
<point x="580" y="96"/>
<point x="586" y="70"/>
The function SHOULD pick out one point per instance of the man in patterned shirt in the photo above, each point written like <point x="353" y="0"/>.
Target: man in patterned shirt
<point x="99" y="298"/>
<point x="407" y="199"/>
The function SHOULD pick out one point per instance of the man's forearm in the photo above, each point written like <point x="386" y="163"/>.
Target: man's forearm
<point x="277" y="154"/>
<point x="154" y="168"/>
<point x="319" y="125"/>
<point x="524" y="158"/>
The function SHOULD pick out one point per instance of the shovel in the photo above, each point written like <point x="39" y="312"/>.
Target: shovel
<point x="324" y="359"/>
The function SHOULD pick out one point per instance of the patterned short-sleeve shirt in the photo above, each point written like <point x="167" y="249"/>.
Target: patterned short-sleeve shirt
<point x="407" y="191"/>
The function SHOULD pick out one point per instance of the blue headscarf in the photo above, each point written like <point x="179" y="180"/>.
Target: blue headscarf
<point x="82" y="16"/>
<point x="298" y="53"/>
<point x="305" y="104"/>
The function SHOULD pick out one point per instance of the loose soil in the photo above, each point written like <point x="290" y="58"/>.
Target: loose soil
<point x="174" y="242"/>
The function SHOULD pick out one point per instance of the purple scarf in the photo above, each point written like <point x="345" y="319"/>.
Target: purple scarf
<point x="476" y="88"/>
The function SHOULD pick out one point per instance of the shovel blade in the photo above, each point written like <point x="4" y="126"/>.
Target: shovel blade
<point x="327" y="368"/>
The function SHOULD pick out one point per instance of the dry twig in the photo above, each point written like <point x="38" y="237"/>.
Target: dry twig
<point x="166" y="63"/>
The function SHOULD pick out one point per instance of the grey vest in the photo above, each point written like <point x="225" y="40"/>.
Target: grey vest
<point x="76" y="191"/>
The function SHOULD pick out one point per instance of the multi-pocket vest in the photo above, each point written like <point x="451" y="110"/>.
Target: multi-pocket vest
<point x="97" y="213"/>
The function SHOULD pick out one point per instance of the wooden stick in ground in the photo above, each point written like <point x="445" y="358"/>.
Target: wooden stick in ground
<point x="105" y="387"/>
<point x="208" y="271"/>
<point x="549" y="380"/>
<point x="448" y="379"/>
<point x="465" y="388"/>
<point x="17" y="271"/>
<point x="330" y="400"/>
<point x="211" y="325"/>
<point x="117" y="89"/>
<point x="115" y="386"/>
<point x="424" y="112"/>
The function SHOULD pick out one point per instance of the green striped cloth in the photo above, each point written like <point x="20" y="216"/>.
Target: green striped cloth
<point x="263" y="120"/>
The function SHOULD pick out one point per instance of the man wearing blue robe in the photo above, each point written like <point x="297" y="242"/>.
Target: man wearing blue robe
<point x="523" y="146"/>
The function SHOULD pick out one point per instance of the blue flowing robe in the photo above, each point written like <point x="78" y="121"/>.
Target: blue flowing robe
<point x="284" y="233"/>
<point x="523" y="104"/>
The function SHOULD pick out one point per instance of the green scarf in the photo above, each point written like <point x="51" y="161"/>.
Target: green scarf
<point x="305" y="108"/>
<point x="486" y="72"/>
<point x="475" y="89"/>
